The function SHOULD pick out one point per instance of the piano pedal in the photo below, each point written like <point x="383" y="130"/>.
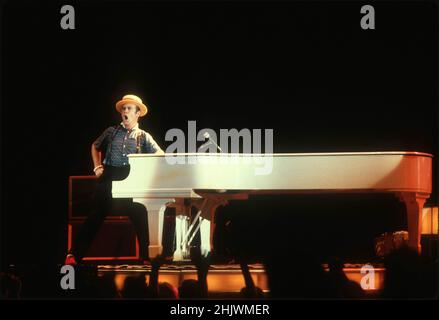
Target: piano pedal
<point x="178" y="255"/>
<point x="181" y="255"/>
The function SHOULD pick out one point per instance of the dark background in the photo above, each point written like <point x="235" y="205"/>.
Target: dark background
<point x="308" y="71"/>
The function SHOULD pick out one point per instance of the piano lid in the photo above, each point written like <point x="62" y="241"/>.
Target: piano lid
<point x="365" y="153"/>
<point x="157" y="176"/>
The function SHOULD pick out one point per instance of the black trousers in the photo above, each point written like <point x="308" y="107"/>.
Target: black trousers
<point x="102" y="203"/>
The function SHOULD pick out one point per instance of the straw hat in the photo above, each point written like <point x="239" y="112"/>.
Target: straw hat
<point x="132" y="99"/>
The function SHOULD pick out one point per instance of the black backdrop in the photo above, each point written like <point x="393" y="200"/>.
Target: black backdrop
<point x="308" y="71"/>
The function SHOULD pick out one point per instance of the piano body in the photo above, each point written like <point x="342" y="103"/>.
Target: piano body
<point x="209" y="180"/>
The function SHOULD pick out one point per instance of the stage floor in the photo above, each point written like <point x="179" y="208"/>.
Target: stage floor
<point x="228" y="278"/>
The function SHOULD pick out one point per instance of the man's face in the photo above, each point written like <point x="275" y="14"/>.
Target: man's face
<point x="129" y="114"/>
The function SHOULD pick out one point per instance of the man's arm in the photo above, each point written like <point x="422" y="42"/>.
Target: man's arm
<point x="96" y="156"/>
<point x="156" y="263"/>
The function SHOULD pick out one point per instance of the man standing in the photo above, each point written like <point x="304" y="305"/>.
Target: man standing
<point x="116" y="142"/>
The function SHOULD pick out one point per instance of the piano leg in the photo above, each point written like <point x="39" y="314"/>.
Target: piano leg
<point x="206" y="223"/>
<point x="181" y="228"/>
<point x="204" y="219"/>
<point x="207" y="228"/>
<point x="156" y="209"/>
<point x="183" y="238"/>
<point x="206" y="210"/>
<point x="414" y="203"/>
<point x="208" y="207"/>
<point x="205" y="232"/>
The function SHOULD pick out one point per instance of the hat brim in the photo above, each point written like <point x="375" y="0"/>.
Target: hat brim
<point x="143" y="108"/>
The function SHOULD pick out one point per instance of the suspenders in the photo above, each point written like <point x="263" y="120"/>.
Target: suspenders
<point x="111" y="143"/>
<point x="138" y="146"/>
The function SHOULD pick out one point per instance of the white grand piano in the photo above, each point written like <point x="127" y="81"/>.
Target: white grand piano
<point x="209" y="180"/>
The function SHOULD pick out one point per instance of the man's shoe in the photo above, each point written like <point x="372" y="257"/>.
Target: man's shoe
<point x="70" y="260"/>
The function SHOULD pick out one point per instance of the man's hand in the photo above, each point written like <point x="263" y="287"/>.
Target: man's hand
<point x="99" y="172"/>
<point x="137" y="133"/>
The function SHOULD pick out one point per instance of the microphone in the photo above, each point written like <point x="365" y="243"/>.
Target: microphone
<point x="206" y="135"/>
